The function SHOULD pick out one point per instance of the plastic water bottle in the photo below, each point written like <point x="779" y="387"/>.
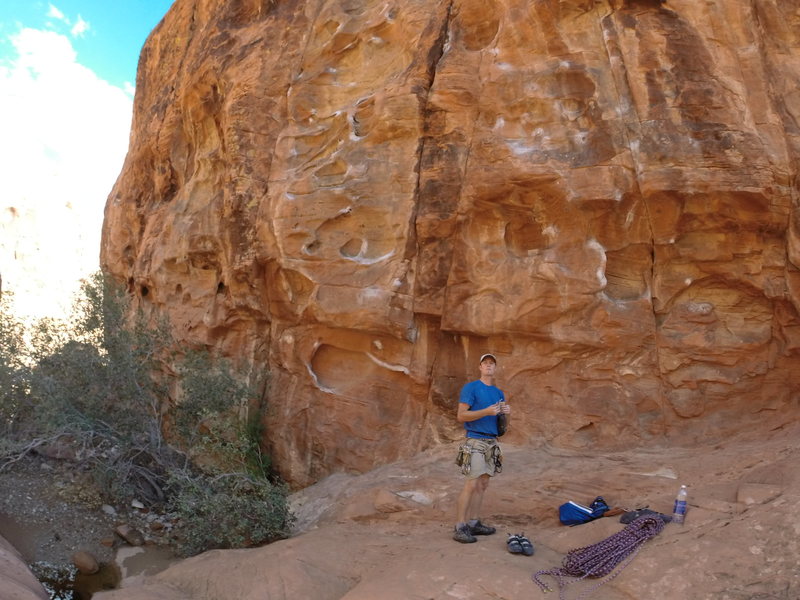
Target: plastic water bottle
<point x="679" y="512"/>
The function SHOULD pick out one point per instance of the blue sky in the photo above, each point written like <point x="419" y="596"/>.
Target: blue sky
<point x="67" y="70"/>
<point x="107" y="35"/>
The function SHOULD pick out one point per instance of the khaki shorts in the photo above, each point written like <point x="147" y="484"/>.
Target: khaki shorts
<point x="480" y="457"/>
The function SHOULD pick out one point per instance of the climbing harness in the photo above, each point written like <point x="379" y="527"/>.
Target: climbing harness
<point x="600" y="559"/>
<point x="490" y="450"/>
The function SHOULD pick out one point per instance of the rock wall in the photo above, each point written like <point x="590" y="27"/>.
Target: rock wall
<point x="361" y="197"/>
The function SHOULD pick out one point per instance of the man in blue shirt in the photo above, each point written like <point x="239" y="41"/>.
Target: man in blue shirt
<point x="478" y="407"/>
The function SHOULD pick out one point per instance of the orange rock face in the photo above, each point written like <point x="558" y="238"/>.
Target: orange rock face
<point x="362" y="197"/>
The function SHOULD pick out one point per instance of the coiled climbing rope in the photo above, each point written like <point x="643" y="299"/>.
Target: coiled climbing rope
<point x="600" y="559"/>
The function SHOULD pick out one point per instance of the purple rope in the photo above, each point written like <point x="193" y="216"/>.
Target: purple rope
<point x="600" y="559"/>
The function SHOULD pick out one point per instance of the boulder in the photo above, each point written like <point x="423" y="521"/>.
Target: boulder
<point x="132" y="536"/>
<point x="85" y="562"/>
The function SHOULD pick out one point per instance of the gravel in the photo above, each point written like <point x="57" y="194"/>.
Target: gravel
<point x="49" y="510"/>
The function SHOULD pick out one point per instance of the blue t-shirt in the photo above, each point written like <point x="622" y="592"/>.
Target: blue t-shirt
<point x="477" y="395"/>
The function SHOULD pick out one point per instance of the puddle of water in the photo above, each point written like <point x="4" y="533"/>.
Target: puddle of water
<point x="139" y="561"/>
<point x="57" y="580"/>
<point x="107" y="578"/>
<point x="131" y="564"/>
<point x="63" y="582"/>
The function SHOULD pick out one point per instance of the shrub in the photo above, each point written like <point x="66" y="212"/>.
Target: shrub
<point x="228" y="511"/>
<point x="100" y="379"/>
<point x="14" y="372"/>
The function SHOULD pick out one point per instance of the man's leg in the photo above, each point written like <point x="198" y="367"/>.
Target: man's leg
<point x="473" y="510"/>
<point x="462" y="531"/>
<point x="465" y="499"/>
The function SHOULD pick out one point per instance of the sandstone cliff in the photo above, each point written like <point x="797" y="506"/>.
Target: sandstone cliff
<point x="361" y="197"/>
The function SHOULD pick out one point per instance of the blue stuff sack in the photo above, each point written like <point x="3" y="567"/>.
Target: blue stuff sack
<point x="572" y="513"/>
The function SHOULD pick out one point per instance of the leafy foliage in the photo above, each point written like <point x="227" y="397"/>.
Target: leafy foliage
<point x="14" y="372"/>
<point x="100" y="380"/>
<point x="228" y="511"/>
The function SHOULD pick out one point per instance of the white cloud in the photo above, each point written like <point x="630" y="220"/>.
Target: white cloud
<point x="65" y="134"/>
<point x="80" y="27"/>
<point x="52" y="11"/>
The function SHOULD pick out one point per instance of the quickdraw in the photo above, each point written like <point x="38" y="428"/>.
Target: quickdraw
<point x="464" y="458"/>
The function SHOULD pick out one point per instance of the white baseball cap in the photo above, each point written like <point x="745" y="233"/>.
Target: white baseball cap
<point x="487" y="355"/>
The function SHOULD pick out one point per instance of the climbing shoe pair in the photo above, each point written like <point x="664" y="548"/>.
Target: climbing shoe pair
<point x="519" y="544"/>
<point x="466" y="533"/>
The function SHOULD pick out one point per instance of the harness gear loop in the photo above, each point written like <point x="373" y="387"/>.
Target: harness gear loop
<point x="497" y="458"/>
<point x="464" y="458"/>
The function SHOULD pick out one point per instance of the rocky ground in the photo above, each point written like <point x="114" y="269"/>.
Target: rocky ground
<point x="49" y="511"/>
<point x="386" y="534"/>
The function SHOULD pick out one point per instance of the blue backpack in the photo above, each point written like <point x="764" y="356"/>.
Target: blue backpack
<point x="572" y="513"/>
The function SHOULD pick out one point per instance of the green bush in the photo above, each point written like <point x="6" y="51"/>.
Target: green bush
<point x="14" y="371"/>
<point x="228" y="511"/>
<point x="101" y="378"/>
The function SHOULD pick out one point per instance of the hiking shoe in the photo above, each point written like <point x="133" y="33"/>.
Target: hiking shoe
<point x="481" y="529"/>
<point x="463" y="536"/>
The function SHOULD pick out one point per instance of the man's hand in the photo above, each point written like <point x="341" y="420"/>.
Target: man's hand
<point x="500" y="407"/>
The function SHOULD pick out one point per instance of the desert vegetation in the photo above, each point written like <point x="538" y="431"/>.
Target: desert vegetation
<point x="175" y="430"/>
